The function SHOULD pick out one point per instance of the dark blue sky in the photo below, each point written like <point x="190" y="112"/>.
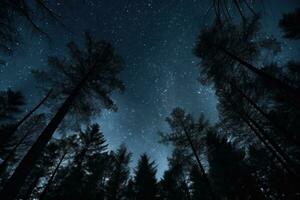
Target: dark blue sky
<point x="155" y="38"/>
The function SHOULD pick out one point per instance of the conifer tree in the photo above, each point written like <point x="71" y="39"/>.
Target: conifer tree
<point x="119" y="175"/>
<point x="144" y="179"/>
<point x="89" y="75"/>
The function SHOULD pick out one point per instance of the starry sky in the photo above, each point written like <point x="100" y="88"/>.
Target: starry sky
<point x="155" y="39"/>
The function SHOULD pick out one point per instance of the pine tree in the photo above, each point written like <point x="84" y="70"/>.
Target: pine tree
<point x="87" y="168"/>
<point x="89" y="75"/>
<point x="188" y="134"/>
<point x="118" y="178"/>
<point x="230" y="175"/>
<point x="174" y="184"/>
<point x="226" y="51"/>
<point x="198" y="185"/>
<point x="62" y="147"/>
<point x="27" y="133"/>
<point x="144" y="179"/>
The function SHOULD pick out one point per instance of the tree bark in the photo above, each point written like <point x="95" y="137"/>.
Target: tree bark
<point x="15" y="182"/>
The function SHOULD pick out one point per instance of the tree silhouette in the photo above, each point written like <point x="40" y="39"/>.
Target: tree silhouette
<point x="290" y="25"/>
<point x="31" y="187"/>
<point x="186" y="132"/>
<point x="118" y="178"/>
<point x="228" y="171"/>
<point x="226" y="51"/>
<point x="198" y="185"/>
<point x="63" y="148"/>
<point x="89" y="159"/>
<point x="89" y="75"/>
<point x="27" y="133"/>
<point x="130" y="190"/>
<point x="174" y="184"/>
<point x="145" y="180"/>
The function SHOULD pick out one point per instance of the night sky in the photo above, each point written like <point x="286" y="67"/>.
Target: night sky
<point x="155" y="39"/>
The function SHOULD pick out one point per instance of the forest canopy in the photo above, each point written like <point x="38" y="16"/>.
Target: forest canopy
<point x="54" y="146"/>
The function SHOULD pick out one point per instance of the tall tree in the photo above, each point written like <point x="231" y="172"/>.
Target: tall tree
<point x="174" y="183"/>
<point x="31" y="188"/>
<point x="31" y="112"/>
<point x="198" y="185"/>
<point x="63" y="149"/>
<point x="118" y="178"/>
<point x="87" y="168"/>
<point x="130" y="190"/>
<point x="145" y="180"/>
<point x="187" y="133"/>
<point x="231" y="176"/>
<point x="27" y="133"/>
<point x="87" y="76"/>
<point x="226" y="51"/>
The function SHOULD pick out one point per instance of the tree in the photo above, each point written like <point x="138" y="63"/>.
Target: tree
<point x="118" y="178"/>
<point x="198" y="185"/>
<point x="31" y="112"/>
<point x="226" y="51"/>
<point x="27" y="133"/>
<point x="174" y="184"/>
<point x="144" y="179"/>
<point x="274" y="182"/>
<point x="230" y="175"/>
<point x="44" y="164"/>
<point x="290" y="25"/>
<point x="130" y="190"/>
<point x="87" y="168"/>
<point x="186" y="132"/>
<point x="63" y="148"/>
<point x="86" y="77"/>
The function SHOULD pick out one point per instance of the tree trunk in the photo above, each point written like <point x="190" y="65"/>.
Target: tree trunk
<point x="274" y="123"/>
<point x="15" y="128"/>
<point x="273" y="82"/>
<point x="12" y="187"/>
<point x="202" y="170"/>
<point x="50" y="181"/>
<point x="265" y="139"/>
